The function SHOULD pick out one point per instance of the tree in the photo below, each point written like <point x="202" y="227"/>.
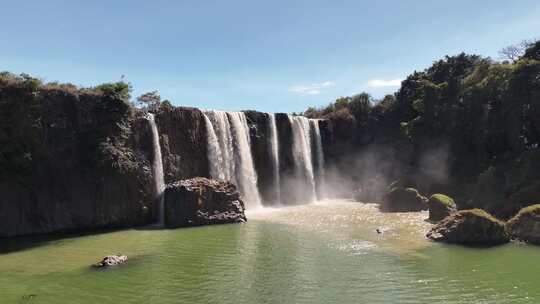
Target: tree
<point x="515" y="51"/>
<point x="149" y="101"/>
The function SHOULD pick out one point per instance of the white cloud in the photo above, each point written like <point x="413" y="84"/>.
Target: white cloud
<point x="377" y="83"/>
<point x="311" y="89"/>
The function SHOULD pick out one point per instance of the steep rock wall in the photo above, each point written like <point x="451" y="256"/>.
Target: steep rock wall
<point x="70" y="160"/>
<point x="183" y="142"/>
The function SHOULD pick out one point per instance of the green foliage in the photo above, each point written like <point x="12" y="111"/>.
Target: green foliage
<point x="441" y="199"/>
<point x="533" y="52"/>
<point x="533" y="210"/>
<point x="120" y="90"/>
<point x="149" y="101"/>
<point x="480" y="213"/>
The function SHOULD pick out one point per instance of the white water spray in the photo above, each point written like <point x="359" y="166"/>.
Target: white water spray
<point x="245" y="172"/>
<point x="274" y="154"/>
<point x="302" y="152"/>
<point x="316" y="131"/>
<point x="157" y="169"/>
<point x="229" y="153"/>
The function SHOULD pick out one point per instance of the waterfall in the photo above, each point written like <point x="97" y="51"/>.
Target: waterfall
<point x="230" y="158"/>
<point x="316" y="132"/>
<point x="302" y="153"/>
<point x="220" y="156"/>
<point x="274" y="153"/>
<point x="157" y="169"/>
<point x="215" y="158"/>
<point x="245" y="173"/>
<point x="229" y="153"/>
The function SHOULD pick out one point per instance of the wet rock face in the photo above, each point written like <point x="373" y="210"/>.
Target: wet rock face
<point x="111" y="260"/>
<point x="259" y="132"/>
<point x="470" y="227"/>
<point x="71" y="160"/>
<point x="440" y="206"/>
<point x="403" y="200"/>
<point x="286" y="159"/>
<point x="525" y="226"/>
<point x="183" y="143"/>
<point x="201" y="201"/>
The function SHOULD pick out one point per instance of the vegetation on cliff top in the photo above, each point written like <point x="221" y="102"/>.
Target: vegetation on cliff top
<point x="481" y="113"/>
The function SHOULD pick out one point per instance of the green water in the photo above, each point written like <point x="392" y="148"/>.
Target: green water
<point x="325" y="253"/>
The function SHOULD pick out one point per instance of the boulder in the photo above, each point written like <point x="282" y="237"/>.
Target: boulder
<point x="202" y="201"/>
<point x="440" y="206"/>
<point x="525" y="226"/>
<point x="111" y="260"/>
<point x="470" y="227"/>
<point x="403" y="200"/>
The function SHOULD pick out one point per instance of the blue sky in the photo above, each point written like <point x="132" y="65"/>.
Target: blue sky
<point x="275" y="56"/>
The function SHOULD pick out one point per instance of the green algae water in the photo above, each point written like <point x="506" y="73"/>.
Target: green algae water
<point x="327" y="252"/>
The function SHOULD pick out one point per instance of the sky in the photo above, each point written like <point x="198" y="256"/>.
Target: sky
<point x="273" y="56"/>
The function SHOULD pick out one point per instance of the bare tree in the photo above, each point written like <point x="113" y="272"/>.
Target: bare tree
<point x="515" y="51"/>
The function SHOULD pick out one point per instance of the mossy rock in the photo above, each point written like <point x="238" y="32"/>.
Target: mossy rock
<point x="525" y="225"/>
<point x="440" y="206"/>
<point x="470" y="227"/>
<point x="404" y="200"/>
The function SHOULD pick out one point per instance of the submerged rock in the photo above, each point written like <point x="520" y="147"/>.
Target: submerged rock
<point x="111" y="260"/>
<point x="525" y="226"/>
<point x="403" y="200"/>
<point x="440" y="206"/>
<point x="472" y="227"/>
<point x="202" y="201"/>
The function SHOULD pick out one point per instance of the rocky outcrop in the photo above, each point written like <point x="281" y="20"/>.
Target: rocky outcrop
<point x="201" y="201"/>
<point x="71" y="159"/>
<point x="470" y="227"/>
<point x="400" y="199"/>
<point x="183" y="143"/>
<point x="111" y="260"/>
<point x="440" y="206"/>
<point x="525" y="226"/>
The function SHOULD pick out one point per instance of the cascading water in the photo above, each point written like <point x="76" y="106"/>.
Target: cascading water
<point x="230" y="157"/>
<point x="214" y="151"/>
<point x="316" y="132"/>
<point x="157" y="169"/>
<point x="229" y="153"/>
<point x="302" y="152"/>
<point x="245" y="172"/>
<point x="274" y="154"/>
<point x="220" y="156"/>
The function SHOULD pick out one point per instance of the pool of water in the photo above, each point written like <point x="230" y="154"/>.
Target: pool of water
<point x="328" y="252"/>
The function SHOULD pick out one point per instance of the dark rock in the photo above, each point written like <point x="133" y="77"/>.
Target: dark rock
<point x="440" y="206"/>
<point x="111" y="260"/>
<point x="183" y="143"/>
<point x="71" y="160"/>
<point x="289" y="193"/>
<point x="259" y="131"/>
<point x="470" y="227"/>
<point x="201" y="201"/>
<point x="404" y="200"/>
<point x="525" y="226"/>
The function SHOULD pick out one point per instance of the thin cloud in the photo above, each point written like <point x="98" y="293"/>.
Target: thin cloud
<point x="311" y="89"/>
<point x="378" y="83"/>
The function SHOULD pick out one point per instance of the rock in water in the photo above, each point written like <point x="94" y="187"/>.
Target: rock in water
<point x="470" y="227"/>
<point x="201" y="201"/>
<point x="404" y="200"/>
<point x="525" y="226"/>
<point x="440" y="206"/>
<point x="111" y="260"/>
